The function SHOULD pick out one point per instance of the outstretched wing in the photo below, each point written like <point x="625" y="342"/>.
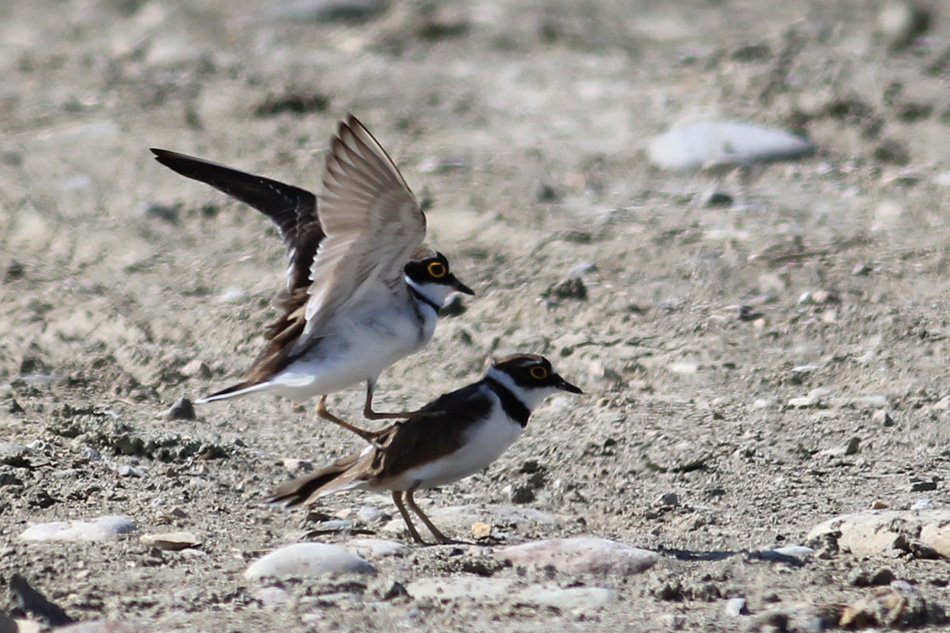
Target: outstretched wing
<point x="292" y="209"/>
<point x="372" y="224"/>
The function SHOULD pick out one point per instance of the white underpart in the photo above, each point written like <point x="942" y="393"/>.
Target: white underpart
<point x="483" y="443"/>
<point x="359" y="344"/>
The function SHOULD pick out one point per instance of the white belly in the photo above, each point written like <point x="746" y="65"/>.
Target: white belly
<point x="483" y="444"/>
<point x="358" y="350"/>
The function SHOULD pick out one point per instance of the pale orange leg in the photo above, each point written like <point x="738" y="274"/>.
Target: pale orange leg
<point x="397" y="497"/>
<point x="369" y="436"/>
<point x="439" y="536"/>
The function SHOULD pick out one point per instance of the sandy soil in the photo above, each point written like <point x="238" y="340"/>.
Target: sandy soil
<point x="523" y="125"/>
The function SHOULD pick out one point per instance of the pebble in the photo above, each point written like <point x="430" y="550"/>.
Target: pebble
<point x="690" y="147"/>
<point x="581" y="555"/>
<point x="183" y="409"/>
<point x="571" y="599"/>
<point x="375" y="548"/>
<point x="481" y="530"/>
<point x="294" y="466"/>
<point x="875" y="532"/>
<point x="233" y="295"/>
<point x="325" y="10"/>
<point x="172" y="541"/>
<point x="448" y="589"/>
<point x="196" y="369"/>
<point x="103" y="528"/>
<point x="898" y="605"/>
<point x="900" y="22"/>
<point x="736" y="607"/>
<point x="272" y="596"/>
<point x="307" y="560"/>
<point x="13" y="454"/>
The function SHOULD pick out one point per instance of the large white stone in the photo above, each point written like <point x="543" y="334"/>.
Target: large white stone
<point x="581" y="555"/>
<point x="101" y="529"/>
<point x="886" y="531"/>
<point x="307" y="560"/>
<point x="691" y="147"/>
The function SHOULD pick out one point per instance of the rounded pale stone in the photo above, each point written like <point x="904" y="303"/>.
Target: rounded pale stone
<point x="582" y="555"/>
<point x="101" y="529"/>
<point x="307" y="560"/>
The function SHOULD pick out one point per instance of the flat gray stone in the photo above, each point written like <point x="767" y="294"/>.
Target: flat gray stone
<point x="104" y="528"/>
<point x="448" y="589"/>
<point x="694" y="146"/>
<point x="572" y="599"/>
<point x="581" y="555"/>
<point x="307" y="560"/>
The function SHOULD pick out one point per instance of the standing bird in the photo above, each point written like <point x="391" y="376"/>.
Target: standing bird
<point x="361" y="292"/>
<point x="454" y="436"/>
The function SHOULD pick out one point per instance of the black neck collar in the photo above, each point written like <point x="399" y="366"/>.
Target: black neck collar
<point x="424" y="299"/>
<point x="514" y="407"/>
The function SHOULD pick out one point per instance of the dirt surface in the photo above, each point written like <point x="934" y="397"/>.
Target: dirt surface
<point x="522" y="125"/>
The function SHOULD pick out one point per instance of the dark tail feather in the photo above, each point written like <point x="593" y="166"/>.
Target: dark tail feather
<point x="231" y="392"/>
<point x="304" y="490"/>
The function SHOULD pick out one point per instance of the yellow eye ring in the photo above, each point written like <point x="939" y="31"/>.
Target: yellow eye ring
<point x="538" y="373"/>
<point x="437" y="270"/>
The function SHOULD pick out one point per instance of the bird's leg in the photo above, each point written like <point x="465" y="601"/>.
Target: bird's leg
<point x="369" y="414"/>
<point x="369" y="436"/>
<point x="439" y="536"/>
<point x="397" y="497"/>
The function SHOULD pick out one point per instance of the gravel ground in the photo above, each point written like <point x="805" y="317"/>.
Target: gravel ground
<point x="751" y="368"/>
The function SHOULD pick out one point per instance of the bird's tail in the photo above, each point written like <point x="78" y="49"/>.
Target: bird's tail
<point x="340" y="475"/>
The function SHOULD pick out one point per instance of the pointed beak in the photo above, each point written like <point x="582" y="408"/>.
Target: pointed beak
<point x="562" y="384"/>
<point x="460" y="287"/>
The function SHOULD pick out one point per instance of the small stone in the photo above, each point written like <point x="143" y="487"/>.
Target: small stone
<point x="376" y="548"/>
<point x="296" y="466"/>
<point x="717" y="198"/>
<point x="853" y="446"/>
<point x="921" y="504"/>
<point x="736" y="607"/>
<point x="233" y="295"/>
<point x="879" y="505"/>
<point x="481" y="530"/>
<point x="522" y="494"/>
<point x="923" y="486"/>
<point x="669" y="499"/>
<point x="547" y="194"/>
<point x="900" y="22"/>
<point x="104" y="528"/>
<point x="570" y="288"/>
<point x="172" y="541"/>
<point x="861" y="270"/>
<point x="803" y="402"/>
<point x="943" y="404"/>
<point x="307" y="560"/>
<point x="690" y="147"/>
<point x="882" y="417"/>
<point x="196" y="369"/>
<point x="684" y="369"/>
<point x="183" y="409"/>
<point x="164" y="212"/>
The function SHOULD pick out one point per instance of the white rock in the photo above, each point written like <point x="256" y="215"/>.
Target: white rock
<point x="307" y="560"/>
<point x="104" y="528"/>
<point x="581" y="555"/>
<point x="572" y="599"/>
<point x="692" y="146"/>
<point x="447" y="589"/>
<point x="374" y="548"/>
<point x="887" y="531"/>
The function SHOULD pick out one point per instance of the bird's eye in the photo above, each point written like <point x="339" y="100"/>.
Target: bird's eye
<point x="437" y="270"/>
<point x="538" y="373"/>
